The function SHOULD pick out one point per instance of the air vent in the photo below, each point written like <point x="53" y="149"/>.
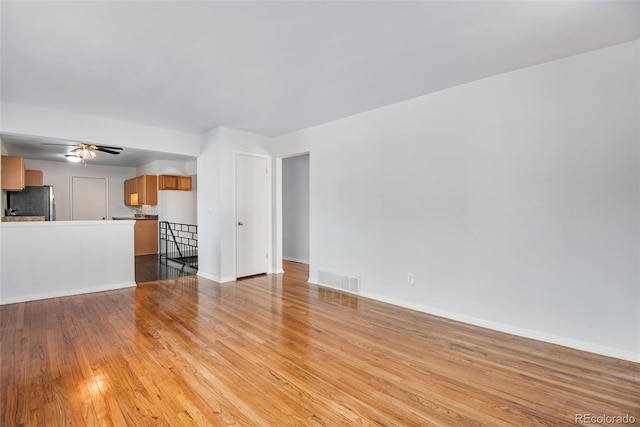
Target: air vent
<point x="339" y="281"/>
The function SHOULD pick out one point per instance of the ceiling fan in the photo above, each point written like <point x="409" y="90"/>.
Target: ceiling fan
<point x="83" y="152"/>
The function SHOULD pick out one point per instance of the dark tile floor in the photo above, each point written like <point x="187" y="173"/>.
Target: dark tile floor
<point x="151" y="267"/>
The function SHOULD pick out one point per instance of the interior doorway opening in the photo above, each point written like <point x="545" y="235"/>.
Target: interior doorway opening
<point x="295" y="208"/>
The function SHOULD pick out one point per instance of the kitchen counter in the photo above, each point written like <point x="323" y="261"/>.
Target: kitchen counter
<point x="145" y="233"/>
<point x="48" y="259"/>
<point x="135" y="218"/>
<point x="20" y="218"/>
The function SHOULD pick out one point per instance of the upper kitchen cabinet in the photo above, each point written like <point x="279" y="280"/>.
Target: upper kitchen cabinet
<point x="174" y="182"/>
<point x="130" y="187"/>
<point x="34" y="178"/>
<point x="13" y="173"/>
<point x="141" y="190"/>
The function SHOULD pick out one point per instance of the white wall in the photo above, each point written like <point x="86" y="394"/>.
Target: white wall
<point x="51" y="259"/>
<point x="178" y="206"/>
<point x="58" y="174"/>
<point x="295" y="208"/>
<point x="209" y="211"/>
<point x="216" y="206"/>
<point x="514" y="200"/>
<point x="174" y="205"/>
<point x="28" y="120"/>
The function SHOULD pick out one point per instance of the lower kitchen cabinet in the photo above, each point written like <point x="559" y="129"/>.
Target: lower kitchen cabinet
<point x="145" y="240"/>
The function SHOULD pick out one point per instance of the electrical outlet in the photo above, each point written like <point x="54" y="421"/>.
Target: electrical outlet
<point x="409" y="277"/>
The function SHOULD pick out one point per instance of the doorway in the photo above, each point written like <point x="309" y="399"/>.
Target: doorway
<point x="89" y="198"/>
<point x="252" y="214"/>
<point x="295" y="208"/>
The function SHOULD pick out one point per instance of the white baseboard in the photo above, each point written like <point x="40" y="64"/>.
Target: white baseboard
<point x="208" y="276"/>
<point x="66" y="293"/>
<point x="502" y="327"/>
<point x="216" y="278"/>
<point x="301" y="261"/>
<point x="514" y="330"/>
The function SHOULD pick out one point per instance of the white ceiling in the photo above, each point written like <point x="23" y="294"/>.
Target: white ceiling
<point x="54" y="150"/>
<point x="276" y="67"/>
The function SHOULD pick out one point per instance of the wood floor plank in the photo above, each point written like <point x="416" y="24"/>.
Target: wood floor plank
<point x="274" y="350"/>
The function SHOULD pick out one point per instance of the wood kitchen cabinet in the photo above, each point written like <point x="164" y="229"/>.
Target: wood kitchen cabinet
<point x="33" y="178"/>
<point x="130" y="187"/>
<point x="174" y="182"/>
<point x="141" y="190"/>
<point x="13" y="173"/>
<point x="145" y="237"/>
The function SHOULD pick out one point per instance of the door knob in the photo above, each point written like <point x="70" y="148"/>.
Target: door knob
<point x="240" y="223"/>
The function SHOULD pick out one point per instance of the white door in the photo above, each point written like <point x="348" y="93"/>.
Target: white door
<point x="88" y="198"/>
<point x="252" y="214"/>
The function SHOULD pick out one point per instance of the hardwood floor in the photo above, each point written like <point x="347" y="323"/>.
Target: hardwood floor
<point x="273" y="350"/>
<point x="150" y="268"/>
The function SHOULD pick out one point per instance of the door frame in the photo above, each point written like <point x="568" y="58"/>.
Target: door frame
<point x="106" y="193"/>
<point x="279" y="223"/>
<point x="269" y="175"/>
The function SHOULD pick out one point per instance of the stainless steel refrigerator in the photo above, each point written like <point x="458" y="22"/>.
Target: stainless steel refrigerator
<point x="32" y="201"/>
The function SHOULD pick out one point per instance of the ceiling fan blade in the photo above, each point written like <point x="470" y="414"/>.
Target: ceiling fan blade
<point x="107" y="147"/>
<point x="104" y="150"/>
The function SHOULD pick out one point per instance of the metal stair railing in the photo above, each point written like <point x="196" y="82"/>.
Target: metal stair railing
<point x="179" y="242"/>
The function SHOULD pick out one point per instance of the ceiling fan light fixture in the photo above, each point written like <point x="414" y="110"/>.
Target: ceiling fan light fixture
<point x="73" y="158"/>
<point x="81" y="152"/>
<point x="85" y="152"/>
